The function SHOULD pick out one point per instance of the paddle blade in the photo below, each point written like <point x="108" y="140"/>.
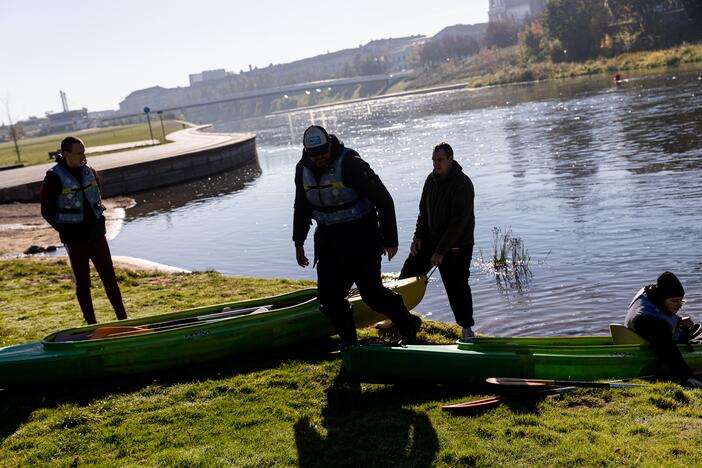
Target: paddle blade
<point x="557" y="383"/>
<point x="117" y="330"/>
<point x="477" y="405"/>
<point x="487" y="403"/>
<point x="520" y="382"/>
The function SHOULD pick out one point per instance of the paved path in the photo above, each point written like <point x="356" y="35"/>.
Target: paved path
<point x="190" y="140"/>
<point x="120" y="146"/>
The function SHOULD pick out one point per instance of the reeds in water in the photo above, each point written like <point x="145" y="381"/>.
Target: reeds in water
<point x="509" y="262"/>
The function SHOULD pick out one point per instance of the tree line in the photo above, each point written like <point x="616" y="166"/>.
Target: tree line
<point x="576" y="30"/>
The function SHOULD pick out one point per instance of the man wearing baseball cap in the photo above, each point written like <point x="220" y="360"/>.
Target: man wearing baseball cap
<point x="356" y="225"/>
<point x="652" y="314"/>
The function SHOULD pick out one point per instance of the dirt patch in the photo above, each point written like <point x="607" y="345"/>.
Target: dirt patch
<point x="22" y="226"/>
<point x="165" y="281"/>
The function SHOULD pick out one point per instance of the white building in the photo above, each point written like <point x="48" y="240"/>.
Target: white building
<point x="516" y="11"/>
<point x="403" y="57"/>
<point x="207" y="75"/>
<point x="462" y="31"/>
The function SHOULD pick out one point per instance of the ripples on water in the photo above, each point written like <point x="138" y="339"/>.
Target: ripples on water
<point x="601" y="183"/>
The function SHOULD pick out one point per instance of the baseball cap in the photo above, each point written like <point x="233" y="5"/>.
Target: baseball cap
<point x="315" y="140"/>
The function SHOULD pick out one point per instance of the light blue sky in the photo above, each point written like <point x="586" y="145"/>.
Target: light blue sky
<point x="98" y="51"/>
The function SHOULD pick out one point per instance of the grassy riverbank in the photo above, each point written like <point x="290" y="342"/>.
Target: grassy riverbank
<point x="35" y="150"/>
<point x="503" y="66"/>
<point x="294" y="406"/>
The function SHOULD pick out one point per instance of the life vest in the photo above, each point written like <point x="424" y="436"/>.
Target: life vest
<point x="642" y="305"/>
<point x="332" y="201"/>
<point x="70" y="203"/>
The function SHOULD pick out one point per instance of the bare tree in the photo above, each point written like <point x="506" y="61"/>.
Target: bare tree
<point x="13" y="129"/>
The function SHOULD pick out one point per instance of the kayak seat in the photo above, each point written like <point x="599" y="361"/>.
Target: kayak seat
<point x="623" y="335"/>
<point x="118" y="330"/>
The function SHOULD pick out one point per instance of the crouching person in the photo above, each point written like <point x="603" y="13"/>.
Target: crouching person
<point x="653" y="315"/>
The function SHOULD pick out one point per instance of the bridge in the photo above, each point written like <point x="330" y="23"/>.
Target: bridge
<point x="311" y="86"/>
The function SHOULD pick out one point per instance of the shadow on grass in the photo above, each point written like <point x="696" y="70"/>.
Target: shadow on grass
<point x="369" y="426"/>
<point x="377" y="425"/>
<point x="18" y="404"/>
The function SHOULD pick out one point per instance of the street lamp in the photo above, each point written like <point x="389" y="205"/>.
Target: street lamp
<point x="148" y="119"/>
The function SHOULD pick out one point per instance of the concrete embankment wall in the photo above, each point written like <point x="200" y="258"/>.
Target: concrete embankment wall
<point x="152" y="173"/>
<point x="30" y="192"/>
<point x="177" y="169"/>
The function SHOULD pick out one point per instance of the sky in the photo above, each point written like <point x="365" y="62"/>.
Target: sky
<point x="98" y="51"/>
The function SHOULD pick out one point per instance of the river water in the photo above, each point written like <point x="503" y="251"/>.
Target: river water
<point x="601" y="183"/>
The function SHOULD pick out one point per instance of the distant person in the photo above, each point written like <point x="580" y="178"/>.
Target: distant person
<point x="443" y="236"/>
<point x="652" y="314"/>
<point x="71" y="204"/>
<point x="356" y="225"/>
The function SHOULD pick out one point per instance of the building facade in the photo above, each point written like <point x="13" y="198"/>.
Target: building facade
<point x="68" y="121"/>
<point x="515" y="11"/>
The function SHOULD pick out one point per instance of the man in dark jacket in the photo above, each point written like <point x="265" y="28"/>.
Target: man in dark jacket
<point x="444" y="234"/>
<point x="356" y="225"/>
<point x="71" y="204"/>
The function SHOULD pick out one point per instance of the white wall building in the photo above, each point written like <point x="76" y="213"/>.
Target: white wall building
<point x="517" y="11"/>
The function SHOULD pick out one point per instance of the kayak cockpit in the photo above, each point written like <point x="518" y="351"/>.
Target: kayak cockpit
<point x="619" y="336"/>
<point x="179" y="320"/>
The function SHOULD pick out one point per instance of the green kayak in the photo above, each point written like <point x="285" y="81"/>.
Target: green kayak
<point x="554" y="358"/>
<point x="182" y="338"/>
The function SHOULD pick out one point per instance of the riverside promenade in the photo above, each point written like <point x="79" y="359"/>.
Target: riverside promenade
<point x="193" y="154"/>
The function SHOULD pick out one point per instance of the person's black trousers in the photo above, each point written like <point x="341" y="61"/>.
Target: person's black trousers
<point x="338" y="270"/>
<point x="455" y="272"/>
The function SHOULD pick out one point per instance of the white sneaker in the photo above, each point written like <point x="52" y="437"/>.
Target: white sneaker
<point x="384" y="325"/>
<point x="468" y="335"/>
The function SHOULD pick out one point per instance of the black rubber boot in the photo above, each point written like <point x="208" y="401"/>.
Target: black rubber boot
<point x="347" y="326"/>
<point x="343" y="322"/>
<point x="409" y="330"/>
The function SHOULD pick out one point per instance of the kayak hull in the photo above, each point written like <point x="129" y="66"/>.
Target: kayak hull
<point x="553" y="358"/>
<point x="195" y="336"/>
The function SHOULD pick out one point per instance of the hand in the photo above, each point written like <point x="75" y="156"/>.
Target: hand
<point x="390" y="252"/>
<point x="300" y="256"/>
<point x="693" y="383"/>
<point x="415" y="247"/>
<point x="436" y="259"/>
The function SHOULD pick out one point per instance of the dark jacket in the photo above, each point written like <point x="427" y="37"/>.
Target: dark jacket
<point x="446" y="217"/>
<point x="378" y="226"/>
<point x="89" y="229"/>
<point x="648" y="320"/>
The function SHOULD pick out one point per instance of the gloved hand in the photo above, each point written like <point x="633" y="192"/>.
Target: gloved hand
<point x="693" y="383"/>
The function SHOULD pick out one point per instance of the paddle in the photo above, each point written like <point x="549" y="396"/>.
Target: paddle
<point x="200" y="319"/>
<point x="209" y="317"/>
<point x="557" y="383"/>
<point x="120" y="330"/>
<point x="552" y="387"/>
<point x="487" y="403"/>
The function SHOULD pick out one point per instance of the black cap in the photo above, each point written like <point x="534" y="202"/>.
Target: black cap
<point x="668" y="285"/>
